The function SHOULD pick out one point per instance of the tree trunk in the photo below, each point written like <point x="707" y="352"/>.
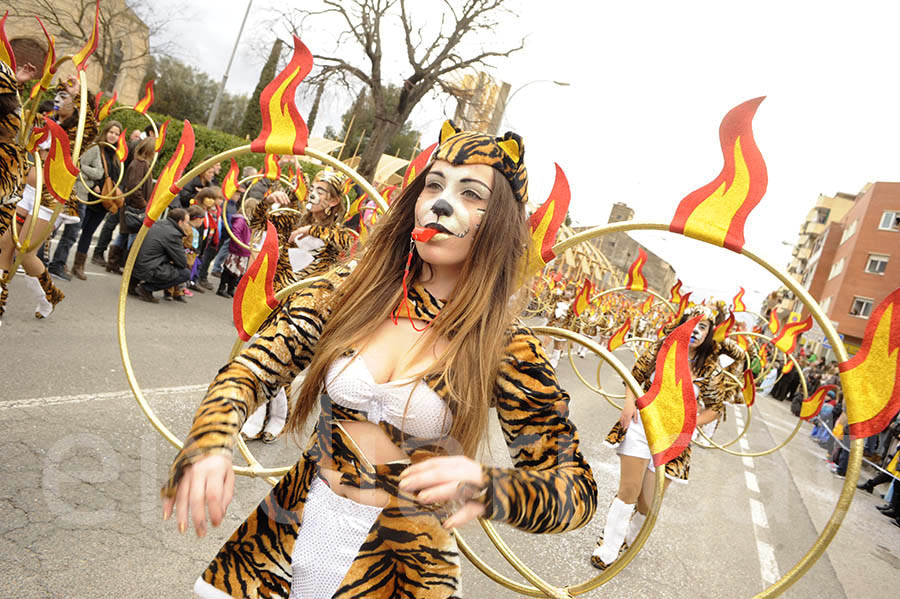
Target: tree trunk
<point x="314" y="111"/>
<point x="384" y="132"/>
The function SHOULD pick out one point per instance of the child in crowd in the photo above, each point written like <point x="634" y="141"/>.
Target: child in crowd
<point x="197" y="217"/>
<point x="238" y="256"/>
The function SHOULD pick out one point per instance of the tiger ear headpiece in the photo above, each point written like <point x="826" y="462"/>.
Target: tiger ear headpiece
<point x="506" y="154"/>
<point x="339" y="182"/>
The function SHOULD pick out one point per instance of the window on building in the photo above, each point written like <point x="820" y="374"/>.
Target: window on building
<point x="826" y="304"/>
<point x="862" y="307"/>
<point x="877" y="263"/>
<point x="822" y="216"/>
<point x="849" y="231"/>
<point x="837" y="268"/>
<point x="890" y="221"/>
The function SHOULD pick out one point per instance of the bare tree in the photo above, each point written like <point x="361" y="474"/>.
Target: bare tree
<point x="72" y="21"/>
<point x="433" y="59"/>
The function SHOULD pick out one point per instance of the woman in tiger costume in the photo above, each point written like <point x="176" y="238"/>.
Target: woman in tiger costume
<point x="37" y="277"/>
<point x="712" y="388"/>
<point x="403" y="380"/>
<point x="326" y="241"/>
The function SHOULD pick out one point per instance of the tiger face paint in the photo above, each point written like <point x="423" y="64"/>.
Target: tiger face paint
<point x="453" y="203"/>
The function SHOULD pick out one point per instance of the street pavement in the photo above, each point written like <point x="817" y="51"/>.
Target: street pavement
<point x="82" y="468"/>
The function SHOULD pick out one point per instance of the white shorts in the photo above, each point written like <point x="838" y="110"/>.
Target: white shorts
<point x="635" y="445"/>
<point x="44" y="213"/>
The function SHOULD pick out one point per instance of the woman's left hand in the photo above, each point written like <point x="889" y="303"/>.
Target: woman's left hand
<point x="445" y="479"/>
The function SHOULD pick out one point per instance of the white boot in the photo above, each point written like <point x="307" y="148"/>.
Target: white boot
<point x="44" y="308"/>
<point x="554" y="358"/>
<point x="613" y="533"/>
<point x="634" y="527"/>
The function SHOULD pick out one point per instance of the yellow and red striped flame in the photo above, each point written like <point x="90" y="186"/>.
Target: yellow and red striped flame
<point x="675" y="293"/>
<point x="786" y="339"/>
<point x="683" y="305"/>
<point x="635" y="280"/>
<point x="230" y="182"/>
<point x="741" y="340"/>
<point x="49" y="69"/>
<point x="355" y="206"/>
<point x="283" y="129"/>
<point x="161" y="137"/>
<point x="418" y="164"/>
<point x="738" y="302"/>
<point x="583" y="298"/>
<point x="723" y="328"/>
<point x="271" y="170"/>
<point x="386" y="194"/>
<point x="669" y="408"/>
<point x="60" y="172"/>
<point x="81" y="57"/>
<point x="144" y="103"/>
<point x="812" y="405"/>
<point x="648" y="303"/>
<point x="301" y="185"/>
<point x="165" y="189"/>
<point x="545" y="224"/>
<point x="871" y="378"/>
<point x="774" y="325"/>
<point x="254" y="298"/>
<point x="107" y="107"/>
<point x="6" y="52"/>
<point x="122" y="147"/>
<point x="618" y="338"/>
<point x="749" y="390"/>
<point x="716" y="213"/>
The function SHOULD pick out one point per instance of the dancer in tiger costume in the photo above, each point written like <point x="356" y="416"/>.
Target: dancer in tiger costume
<point x="405" y="357"/>
<point x="325" y="241"/>
<point x="636" y="479"/>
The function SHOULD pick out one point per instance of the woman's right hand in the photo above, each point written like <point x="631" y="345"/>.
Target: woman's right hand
<point x="629" y="414"/>
<point x="278" y="198"/>
<point x="208" y="483"/>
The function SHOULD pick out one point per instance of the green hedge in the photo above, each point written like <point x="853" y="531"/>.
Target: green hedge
<point x="207" y="142"/>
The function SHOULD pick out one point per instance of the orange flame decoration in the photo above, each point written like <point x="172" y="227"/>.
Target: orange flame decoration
<point x="786" y="340"/>
<point x="107" y="107"/>
<point x="355" y="206"/>
<point x="774" y="325"/>
<point x="675" y="293"/>
<point x="386" y="195"/>
<point x="812" y="405"/>
<point x="271" y="170"/>
<point x="683" y="305"/>
<point x="301" y="186"/>
<point x="230" y="182"/>
<point x="166" y="187"/>
<point x="788" y="366"/>
<point x="648" y="303"/>
<point x="161" y="137"/>
<point x="6" y="52"/>
<point x="721" y="331"/>
<point x="283" y="129"/>
<point x="418" y="164"/>
<point x="80" y="59"/>
<point x="749" y="390"/>
<point x="871" y="378"/>
<point x="60" y="172"/>
<point x="254" y="298"/>
<point x="144" y="103"/>
<point x="636" y="280"/>
<point x="669" y="408"/>
<point x="618" y="338"/>
<point x="583" y="298"/>
<point x="122" y="147"/>
<point x="716" y="212"/>
<point x="545" y="223"/>
<point x="741" y="340"/>
<point x="738" y="302"/>
<point x="49" y="69"/>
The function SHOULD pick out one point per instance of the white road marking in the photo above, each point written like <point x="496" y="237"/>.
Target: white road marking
<point x="758" y="514"/>
<point x="56" y="400"/>
<point x="748" y="462"/>
<point x="745" y="447"/>
<point x="768" y="567"/>
<point x="752" y="483"/>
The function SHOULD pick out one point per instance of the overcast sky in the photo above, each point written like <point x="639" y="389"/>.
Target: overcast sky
<point x="649" y="84"/>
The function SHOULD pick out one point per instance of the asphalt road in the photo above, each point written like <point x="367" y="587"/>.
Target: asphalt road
<point x="82" y="467"/>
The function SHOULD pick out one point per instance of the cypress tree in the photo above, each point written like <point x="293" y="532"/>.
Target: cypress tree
<point x="252" y="118"/>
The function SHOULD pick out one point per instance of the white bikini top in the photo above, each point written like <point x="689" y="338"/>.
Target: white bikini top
<point x="350" y="384"/>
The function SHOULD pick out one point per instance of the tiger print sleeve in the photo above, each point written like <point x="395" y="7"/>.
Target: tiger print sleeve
<point x="282" y="348"/>
<point x="341" y="237"/>
<point x="551" y="488"/>
<point x="645" y="365"/>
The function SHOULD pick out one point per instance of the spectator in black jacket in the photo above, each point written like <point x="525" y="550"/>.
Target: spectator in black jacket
<point x="204" y="179"/>
<point x="162" y="263"/>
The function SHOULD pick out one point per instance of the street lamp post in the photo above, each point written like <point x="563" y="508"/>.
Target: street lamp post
<point x="218" y="100"/>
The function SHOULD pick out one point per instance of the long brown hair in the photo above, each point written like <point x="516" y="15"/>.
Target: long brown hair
<point x="474" y="321"/>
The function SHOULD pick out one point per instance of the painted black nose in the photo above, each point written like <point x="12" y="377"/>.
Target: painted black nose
<point x="442" y="208"/>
